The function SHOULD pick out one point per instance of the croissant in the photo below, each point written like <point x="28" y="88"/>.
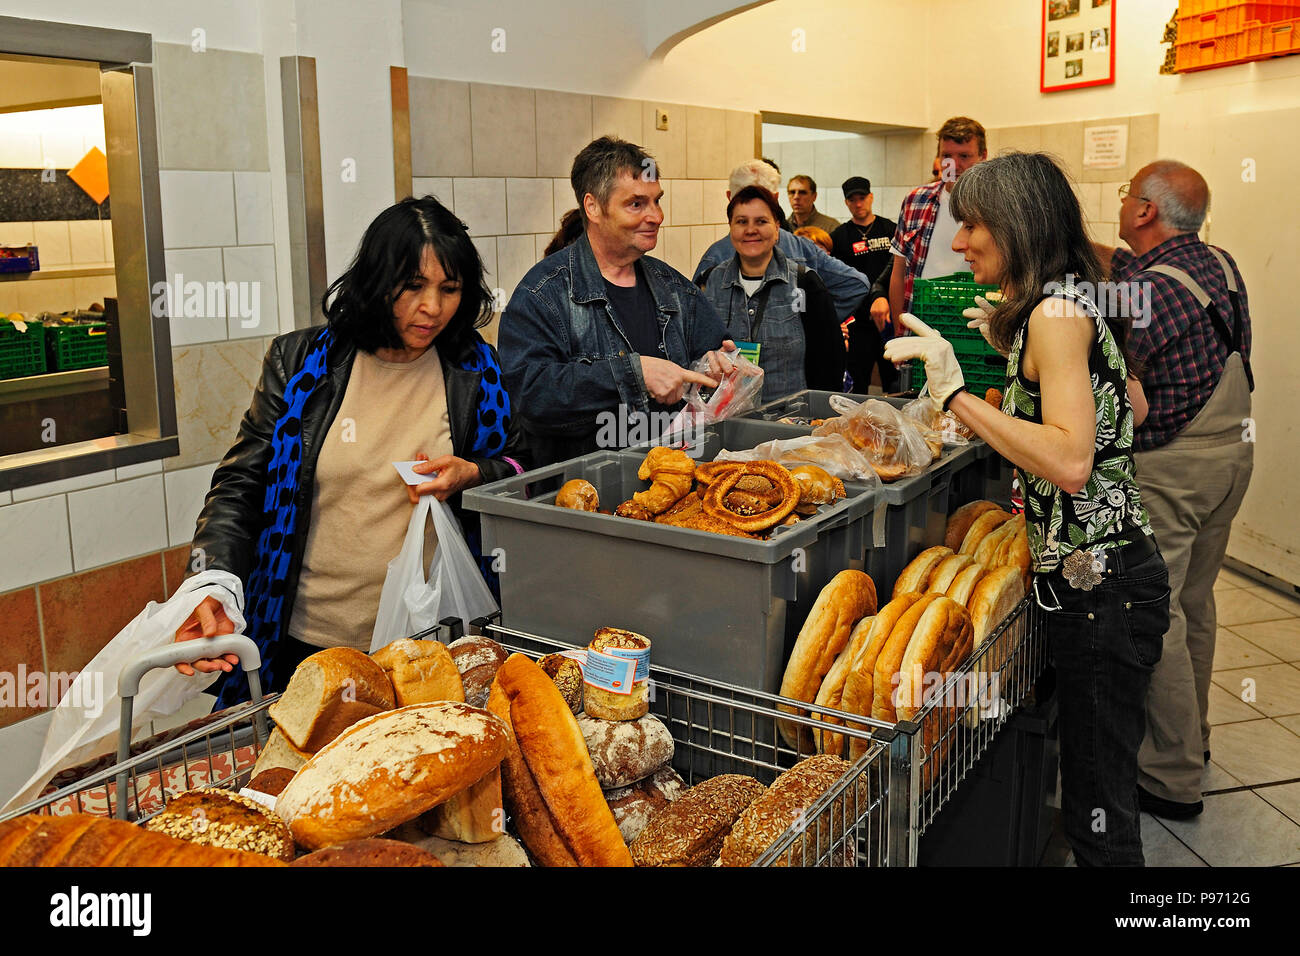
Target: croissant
<point x="672" y="473"/>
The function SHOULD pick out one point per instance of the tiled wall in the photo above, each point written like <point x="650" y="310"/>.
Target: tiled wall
<point x="84" y="556"/>
<point x="899" y="162"/>
<point x="500" y="157"/>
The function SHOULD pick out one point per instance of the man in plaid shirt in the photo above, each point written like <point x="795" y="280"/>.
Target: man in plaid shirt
<point x="1194" y="452"/>
<point x="923" y="240"/>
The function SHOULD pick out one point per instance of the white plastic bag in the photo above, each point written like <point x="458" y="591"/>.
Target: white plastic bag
<point x="833" y="453"/>
<point x="455" y="587"/>
<point x="85" y="722"/>
<point x="737" y="393"/>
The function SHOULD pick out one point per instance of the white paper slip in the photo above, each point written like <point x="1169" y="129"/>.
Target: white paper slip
<point x="265" y="799"/>
<point x="409" y="475"/>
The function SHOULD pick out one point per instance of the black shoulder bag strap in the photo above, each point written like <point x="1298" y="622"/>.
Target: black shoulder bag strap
<point x="1232" y="339"/>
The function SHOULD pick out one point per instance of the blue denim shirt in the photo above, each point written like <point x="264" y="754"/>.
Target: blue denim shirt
<point x="565" y="357"/>
<point x="781" y="332"/>
<point x="847" y="286"/>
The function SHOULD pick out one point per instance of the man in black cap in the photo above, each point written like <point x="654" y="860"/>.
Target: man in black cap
<point x="863" y="243"/>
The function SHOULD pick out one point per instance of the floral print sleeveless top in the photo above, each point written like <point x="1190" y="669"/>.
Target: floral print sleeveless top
<point x="1107" y="513"/>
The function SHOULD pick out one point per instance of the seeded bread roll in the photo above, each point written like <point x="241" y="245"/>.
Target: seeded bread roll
<point x="567" y="675"/>
<point x="369" y="852"/>
<point x="625" y="751"/>
<point x="690" y="831"/>
<point x="848" y="598"/>
<point x="477" y="659"/>
<point x="224" y="819"/>
<point x="784" y="803"/>
<point x="330" y="691"/>
<point x="420" y="671"/>
<point x="606" y="704"/>
<point x="390" y="768"/>
<point x="634" y="806"/>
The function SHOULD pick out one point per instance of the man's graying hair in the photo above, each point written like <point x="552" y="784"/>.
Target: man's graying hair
<point x="754" y="172"/>
<point x="596" y="168"/>
<point x="1179" y="210"/>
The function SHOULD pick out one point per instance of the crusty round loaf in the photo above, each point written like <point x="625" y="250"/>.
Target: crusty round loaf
<point x="579" y="494"/>
<point x="634" y="806"/>
<point x="884" y="679"/>
<point x="859" y="691"/>
<point x="505" y="850"/>
<point x="784" y="803"/>
<point x="916" y="576"/>
<point x="993" y="599"/>
<point x="606" y="704"/>
<point x="625" y="751"/>
<point x="690" y="831"/>
<point x="224" y="819"/>
<point x="848" y="598"/>
<point x="477" y="658"/>
<point x="328" y="692"/>
<point x="959" y="522"/>
<point x="420" y="671"/>
<point x="373" y="851"/>
<point x="567" y="675"/>
<point x="271" y="782"/>
<point x="390" y="768"/>
<point x="831" y="694"/>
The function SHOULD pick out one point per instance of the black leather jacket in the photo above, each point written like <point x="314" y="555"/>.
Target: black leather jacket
<point x="226" y="534"/>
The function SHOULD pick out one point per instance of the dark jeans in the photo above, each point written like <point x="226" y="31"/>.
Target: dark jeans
<point x="1105" y="643"/>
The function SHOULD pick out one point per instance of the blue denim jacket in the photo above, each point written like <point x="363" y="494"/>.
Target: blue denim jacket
<point x="847" y="286"/>
<point x="565" y="357"/>
<point x="781" y="332"/>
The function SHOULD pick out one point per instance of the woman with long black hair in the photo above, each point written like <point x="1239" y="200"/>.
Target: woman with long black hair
<point x="306" y="509"/>
<point x="1066" y="422"/>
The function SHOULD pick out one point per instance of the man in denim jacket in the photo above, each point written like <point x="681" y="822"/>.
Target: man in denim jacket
<point x="601" y="329"/>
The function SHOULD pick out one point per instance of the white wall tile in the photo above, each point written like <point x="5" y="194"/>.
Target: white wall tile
<point x="503" y="130"/>
<point x="186" y="489"/>
<point x="108" y="240"/>
<point x="253" y="268"/>
<point x="540" y="242"/>
<point x="687" y="202"/>
<point x="6" y="497"/>
<point x="706" y="142"/>
<point x="46" y="295"/>
<point x="529" y="205"/>
<point x="127" y="472"/>
<point x="54" y="242"/>
<point x="253" y="208"/>
<point x="675" y="249"/>
<point x="86" y="241"/>
<point x="798" y="158"/>
<point x="666" y="201"/>
<point x="713" y="196"/>
<point x="48" y="488"/>
<point x="9" y="297"/>
<point x="1090" y="200"/>
<point x="701" y="238"/>
<point x="440" y="127"/>
<point x="515" y="256"/>
<point x="88" y="289"/>
<point x="867" y="158"/>
<point x="16" y="233"/>
<point x="117" y="521"/>
<point x="611" y="116"/>
<point x="481" y="205"/>
<point x="831" y="160"/>
<point x="198" y="209"/>
<point x="563" y="129"/>
<point x="562" y="198"/>
<point x="740" y="139"/>
<point x="63" y="149"/>
<point x="190" y="319"/>
<point x="20" y="151"/>
<point x="487" y="250"/>
<point x="439" y="187"/>
<point x="38" y="531"/>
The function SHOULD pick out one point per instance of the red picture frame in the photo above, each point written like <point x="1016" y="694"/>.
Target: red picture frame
<point x="1063" y="65"/>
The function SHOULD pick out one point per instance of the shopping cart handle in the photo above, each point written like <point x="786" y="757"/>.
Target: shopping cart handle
<point x="186" y="652"/>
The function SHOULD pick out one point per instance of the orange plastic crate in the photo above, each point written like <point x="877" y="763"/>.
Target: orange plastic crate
<point x="1211" y="19"/>
<point x="1266" y="40"/>
<point x="1212" y="52"/>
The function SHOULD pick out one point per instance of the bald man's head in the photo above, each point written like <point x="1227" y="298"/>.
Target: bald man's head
<point x="1179" y="192"/>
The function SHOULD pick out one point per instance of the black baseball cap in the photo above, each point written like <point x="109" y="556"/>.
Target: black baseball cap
<point x="856" y="184"/>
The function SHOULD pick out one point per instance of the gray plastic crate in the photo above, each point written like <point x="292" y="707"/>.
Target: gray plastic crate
<point x="721" y="607"/>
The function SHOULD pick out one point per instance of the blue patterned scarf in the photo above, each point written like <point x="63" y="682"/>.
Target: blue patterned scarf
<point x="264" y="595"/>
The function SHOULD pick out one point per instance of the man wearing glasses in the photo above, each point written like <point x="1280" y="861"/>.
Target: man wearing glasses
<point x="1194" y="452"/>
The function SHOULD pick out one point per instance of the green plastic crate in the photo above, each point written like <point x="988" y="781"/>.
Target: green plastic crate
<point x="22" y="353"/>
<point x="939" y="303"/>
<point x="84" y="345"/>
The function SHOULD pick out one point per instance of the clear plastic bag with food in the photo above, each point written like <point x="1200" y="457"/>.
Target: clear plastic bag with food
<point x="935" y="422"/>
<point x="893" y="444"/>
<point x="833" y="453"/>
<point x="736" y="394"/>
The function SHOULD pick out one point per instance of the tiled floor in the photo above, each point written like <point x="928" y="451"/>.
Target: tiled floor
<point x="1252" y="784"/>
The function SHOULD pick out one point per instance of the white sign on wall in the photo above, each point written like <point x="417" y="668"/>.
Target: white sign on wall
<point x="1105" y="147"/>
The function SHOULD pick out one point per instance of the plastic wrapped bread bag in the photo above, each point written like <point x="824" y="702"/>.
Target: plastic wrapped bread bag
<point x="892" y="444"/>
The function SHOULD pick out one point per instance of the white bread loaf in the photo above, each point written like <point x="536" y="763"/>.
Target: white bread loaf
<point x="330" y="691"/>
<point x="278" y="752"/>
<point x="388" y="769"/>
<point x="420" y="671"/>
<point x="475" y="815"/>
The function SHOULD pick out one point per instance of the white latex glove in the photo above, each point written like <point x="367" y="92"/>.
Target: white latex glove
<point x="979" y="319"/>
<point x="942" y="373"/>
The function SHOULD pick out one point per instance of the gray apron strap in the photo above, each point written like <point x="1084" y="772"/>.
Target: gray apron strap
<point x="1232" y="339"/>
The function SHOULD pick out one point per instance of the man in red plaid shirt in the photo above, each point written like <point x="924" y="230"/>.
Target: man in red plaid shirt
<point x="923" y="240"/>
<point x="1194" y="452"/>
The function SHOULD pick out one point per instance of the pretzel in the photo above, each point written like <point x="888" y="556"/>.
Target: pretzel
<point x="709" y="472"/>
<point x="716" y="496"/>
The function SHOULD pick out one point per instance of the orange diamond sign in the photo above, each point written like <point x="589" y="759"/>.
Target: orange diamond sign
<point x="91" y="174"/>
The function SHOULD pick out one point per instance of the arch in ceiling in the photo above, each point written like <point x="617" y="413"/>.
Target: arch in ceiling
<point x="675" y="20"/>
